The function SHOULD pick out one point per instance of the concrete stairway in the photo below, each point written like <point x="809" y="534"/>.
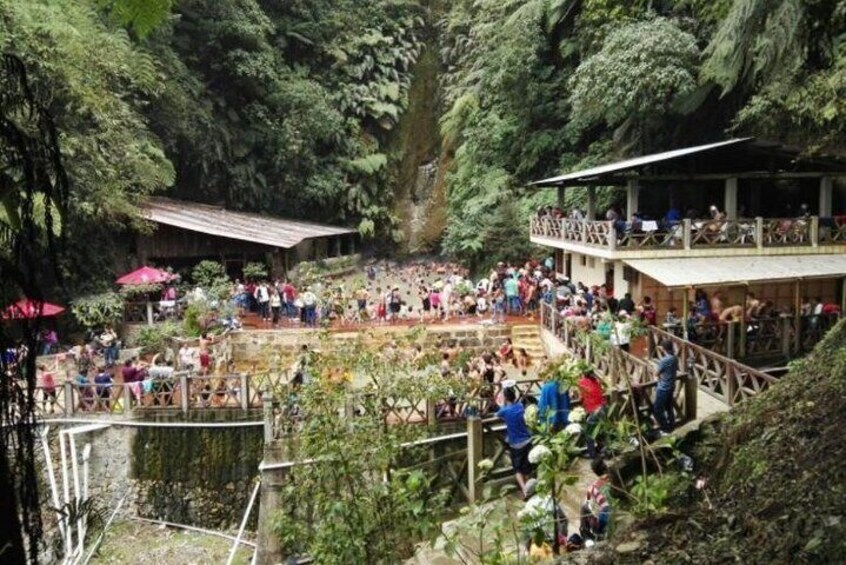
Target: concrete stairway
<point x="527" y="336"/>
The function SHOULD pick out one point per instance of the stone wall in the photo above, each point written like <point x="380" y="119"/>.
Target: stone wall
<point x="195" y="476"/>
<point x="272" y="349"/>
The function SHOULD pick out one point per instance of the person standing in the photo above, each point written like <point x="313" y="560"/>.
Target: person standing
<point x="512" y="294"/>
<point x="517" y="436"/>
<point x="668" y="368"/>
<point x="554" y="405"/>
<point x="593" y="401"/>
<point x="310" y="307"/>
<point x="275" y="306"/>
<point x="262" y="296"/>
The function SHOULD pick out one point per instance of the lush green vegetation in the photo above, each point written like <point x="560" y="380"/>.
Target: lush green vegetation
<point x="308" y="109"/>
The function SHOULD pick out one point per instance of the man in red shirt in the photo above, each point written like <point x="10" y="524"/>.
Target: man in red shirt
<point x="593" y="401"/>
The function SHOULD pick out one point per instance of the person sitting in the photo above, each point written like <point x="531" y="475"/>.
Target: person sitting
<point x="542" y="518"/>
<point x="103" y="380"/>
<point x="506" y="351"/>
<point x="596" y="508"/>
<point x="522" y="360"/>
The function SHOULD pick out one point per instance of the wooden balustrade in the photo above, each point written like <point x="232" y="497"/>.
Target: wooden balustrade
<point x="696" y="234"/>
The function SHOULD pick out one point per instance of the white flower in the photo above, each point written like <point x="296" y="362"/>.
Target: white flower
<point x="530" y="415"/>
<point x="485" y="465"/>
<point x="573" y="429"/>
<point x="538" y="454"/>
<point x="577" y="414"/>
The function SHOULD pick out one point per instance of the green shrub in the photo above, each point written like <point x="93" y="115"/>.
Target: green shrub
<point x="97" y="310"/>
<point x="154" y="339"/>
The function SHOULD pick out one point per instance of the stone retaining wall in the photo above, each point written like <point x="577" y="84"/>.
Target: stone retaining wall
<point x="265" y="347"/>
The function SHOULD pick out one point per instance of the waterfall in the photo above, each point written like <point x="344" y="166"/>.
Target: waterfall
<point x="427" y="174"/>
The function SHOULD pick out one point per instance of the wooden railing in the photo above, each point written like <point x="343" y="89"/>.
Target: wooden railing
<point x="694" y="234"/>
<point x="182" y="392"/>
<point x="723" y="378"/>
<point x="627" y="375"/>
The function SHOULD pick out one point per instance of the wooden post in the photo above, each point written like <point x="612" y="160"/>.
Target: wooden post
<point x="826" y="192"/>
<point x="685" y="313"/>
<point x="686" y="227"/>
<point x="185" y="393"/>
<point x="69" y="404"/>
<point x="759" y="232"/>
<point x="562" y="191"/>
<point x="591" y="203"/>
<point x="797" y="315"/>
<point x="815" y="231"/>
<point x="691" y="389"/>
<point x="475" y="438"/>
<point x="245" y="391"/>
<point x="267" y="406"/>
<point x="785" y="336"/>
<point x="632" y="198"/>
<point x="127" y="399"/>
<point x="731" y="384"/>
<point x="431" y="412"/>
<point x="730" y="340"/>
<point x="730" y="199"/>
<point x="149" y="312"/>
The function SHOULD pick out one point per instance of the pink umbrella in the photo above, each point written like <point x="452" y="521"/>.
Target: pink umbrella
<point x="145" y="275"/>
<point x="30" y="309"/>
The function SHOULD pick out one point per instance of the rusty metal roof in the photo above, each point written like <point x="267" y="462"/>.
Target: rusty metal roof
<point x="217" y="221"/>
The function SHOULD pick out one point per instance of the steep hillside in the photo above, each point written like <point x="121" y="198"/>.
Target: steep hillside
<point x="776" y="476"/>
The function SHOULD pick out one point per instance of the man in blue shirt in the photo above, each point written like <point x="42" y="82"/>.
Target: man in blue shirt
<point x="554" y="405"/>
<point x="517" y="435"/>
<point x="668" y="368"/>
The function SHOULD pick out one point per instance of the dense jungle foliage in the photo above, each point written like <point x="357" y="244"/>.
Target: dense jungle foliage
<point x="302" y="108"/>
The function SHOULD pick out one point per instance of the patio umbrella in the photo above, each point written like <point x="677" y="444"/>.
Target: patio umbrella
<point x="31" y="309"/>
<point x="142" y="276"/>
<point x="145" y="275"/>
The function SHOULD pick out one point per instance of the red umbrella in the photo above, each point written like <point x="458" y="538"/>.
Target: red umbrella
<point x="30" y="309"/>
<point x="145" y="275"/>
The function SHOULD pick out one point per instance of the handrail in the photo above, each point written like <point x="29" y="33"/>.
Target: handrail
<point x="689" y="234"/>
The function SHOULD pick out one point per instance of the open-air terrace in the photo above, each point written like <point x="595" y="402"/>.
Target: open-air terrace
<point x="735" y="197"/>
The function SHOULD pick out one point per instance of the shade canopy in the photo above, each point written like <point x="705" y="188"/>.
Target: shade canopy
<point x="30" y="309"/>
<point x="145" y="275"/>
<point x="675" y="272"/>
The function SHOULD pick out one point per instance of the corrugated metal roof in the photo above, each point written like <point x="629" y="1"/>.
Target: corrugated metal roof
<point x="586" y="174"/>
<point x="709" y="271"/>
<point x="213" y="220"/>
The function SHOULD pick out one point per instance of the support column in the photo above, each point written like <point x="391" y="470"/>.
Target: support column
<point x="797" y="315"/>
<point x="730" y="203"/>
<point x="632" y="198"/>
<point x="474" y="455"/>
<point x="685" y="313"/>
<point x="562" y="190"/>
<point x="338" y="251"/>
<point x="591" y="203"/>
<point x="826" y="196"/>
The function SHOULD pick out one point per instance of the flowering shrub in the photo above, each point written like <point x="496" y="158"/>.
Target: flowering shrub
<point x="577" y="415"/>
<point x="538" y="454"/>
<point x="485" y="465"/>
<point x="573" y="429"/>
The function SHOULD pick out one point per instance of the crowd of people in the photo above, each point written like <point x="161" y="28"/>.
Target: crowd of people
<point x="388" y="293"/>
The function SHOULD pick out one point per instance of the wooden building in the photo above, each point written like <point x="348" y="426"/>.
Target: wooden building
<point x="778" y="230"/>
<point x="188" y="232"/>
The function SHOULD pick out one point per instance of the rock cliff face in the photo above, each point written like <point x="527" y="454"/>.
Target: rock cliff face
<point x="416" y="151"/>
